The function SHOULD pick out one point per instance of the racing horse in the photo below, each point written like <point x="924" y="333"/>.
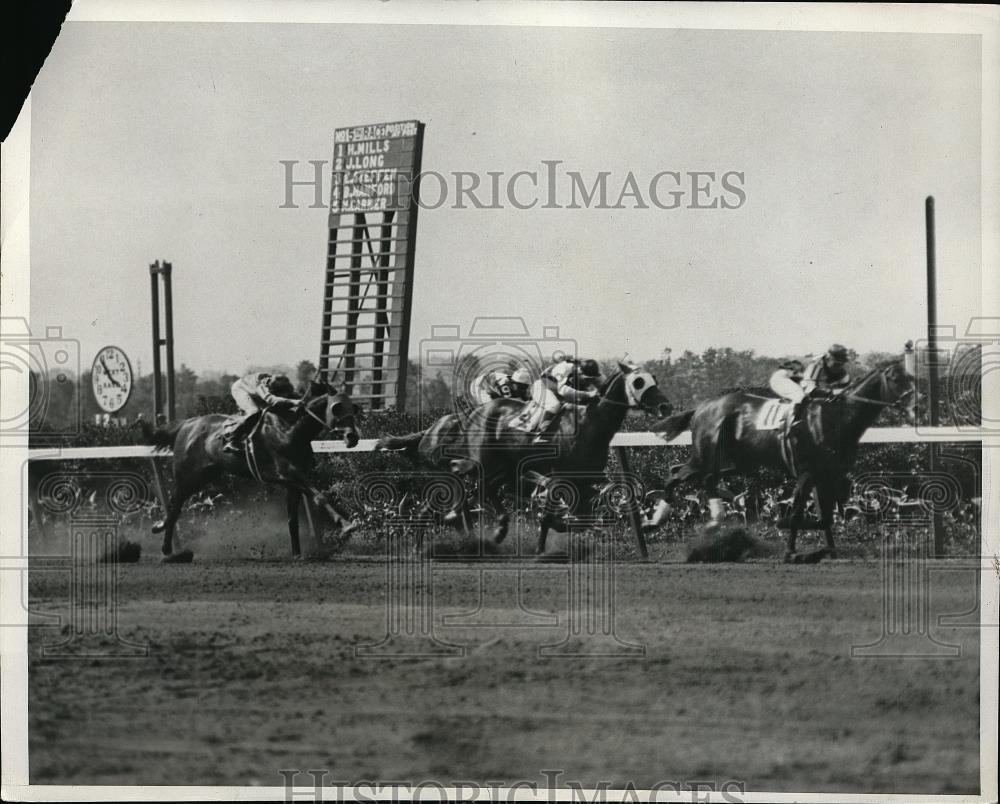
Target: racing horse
<point x="818" y="453"/>
<point x="279" y="451"/>
<point x="490" y="443"/>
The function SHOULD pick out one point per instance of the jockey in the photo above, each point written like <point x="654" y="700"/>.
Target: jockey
<point x="786" y="381"/>
<point x="824" y="375"/>
<point x="827" y="373"/>
<point x="569" y="380"/>
<point x="502" y="385"/>
<point x="253" y="391"/>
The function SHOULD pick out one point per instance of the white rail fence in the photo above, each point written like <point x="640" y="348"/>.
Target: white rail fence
<point x="876" y="435"/>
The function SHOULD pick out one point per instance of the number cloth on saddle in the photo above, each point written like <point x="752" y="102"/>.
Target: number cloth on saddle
<point x="772" y="414"/>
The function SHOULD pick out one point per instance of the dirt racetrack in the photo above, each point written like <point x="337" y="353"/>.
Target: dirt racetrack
<point x="745" y="676"/>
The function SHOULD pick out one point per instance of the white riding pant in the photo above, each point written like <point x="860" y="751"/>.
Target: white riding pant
<point x="546" y="398"/>
<point x="246" y="401"/>
<point x="787" y="388"/>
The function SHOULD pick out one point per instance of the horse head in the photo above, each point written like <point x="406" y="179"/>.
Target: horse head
<point x="890" y="385"/>
<point x="902" y="388"/>
<point x="636" y="388"/>
<point x="333" y="409"/>
<point x="340" y="413"/>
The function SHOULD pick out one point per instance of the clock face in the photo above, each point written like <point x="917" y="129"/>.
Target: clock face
<point x="112" y="379"/>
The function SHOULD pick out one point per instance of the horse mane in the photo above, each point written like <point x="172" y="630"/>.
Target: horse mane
<point x="614" y="375"/>
<point x="879" y="367"/>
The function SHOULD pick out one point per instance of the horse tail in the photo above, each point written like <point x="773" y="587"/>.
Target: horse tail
<point x="408" y="444"/>
<point x="160" y="437"/>
<point x="673" y="426"/>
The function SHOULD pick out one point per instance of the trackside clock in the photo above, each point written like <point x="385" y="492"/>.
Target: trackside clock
<point x="111" y="376"/>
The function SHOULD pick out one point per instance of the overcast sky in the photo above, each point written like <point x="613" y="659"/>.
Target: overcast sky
<point x="163" y="141"/>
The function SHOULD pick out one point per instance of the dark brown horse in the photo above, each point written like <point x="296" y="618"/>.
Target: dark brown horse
<point x="486" y="444"/>
<point x="279" y="452"/>
<point x="818" y="453"/>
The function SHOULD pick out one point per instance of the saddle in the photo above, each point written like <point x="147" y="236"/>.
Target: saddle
<point x="773" y="414"/>
<point x="232" y="422"/>
<point x="527" y="420"/>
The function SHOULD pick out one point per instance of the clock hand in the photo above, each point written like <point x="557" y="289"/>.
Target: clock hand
<point x="107" y="371"/>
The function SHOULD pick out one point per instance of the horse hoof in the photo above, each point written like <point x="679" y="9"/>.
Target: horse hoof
<point x="348" y="527"/>
<point x="790" y="558"/>
<point x="183" y="557"/>
<point x="159" y="527"/>
<point x="451" y="518"/>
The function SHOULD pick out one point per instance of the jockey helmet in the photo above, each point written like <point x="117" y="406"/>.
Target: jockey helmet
<point x="280" y="385"/>
<point x="589" y="368"/>
<point x="837" y="353"/>
<point x="521" y="376"/>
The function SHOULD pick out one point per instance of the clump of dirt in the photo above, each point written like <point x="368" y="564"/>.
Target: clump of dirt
<point x="182" y="557"/>
<point x="460" y="547"/>
<point x="731" y="545"/>
<point x="565" y="548"/>
<point x="127" y="553"/>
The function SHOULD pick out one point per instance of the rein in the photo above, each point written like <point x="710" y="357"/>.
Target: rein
<point x="317" y="418"/>
<point x="322" y="422"/>
<point x="854" y="397"/>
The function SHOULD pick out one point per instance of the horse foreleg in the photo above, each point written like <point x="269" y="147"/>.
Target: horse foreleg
<point x="543" y="532"/>
<point x="339" y="517"/>
<point x="716" y="508"/>
<point x="802" y="488"/>
<point x="662" y="509"/>
<point x="169" y="521"/>
<point x="292" y="499"/>
<point x="293" y="479"/>
<point x="492" y="499"/>
<point x="827" y="494"/>
<point x="545" y="523"/>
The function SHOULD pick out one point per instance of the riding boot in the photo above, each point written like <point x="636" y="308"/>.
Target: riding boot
<point x="234" y="441"/>
<point x="797" y="414"/>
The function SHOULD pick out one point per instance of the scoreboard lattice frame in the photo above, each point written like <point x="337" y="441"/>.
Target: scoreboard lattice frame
<point x="369" y="265"/>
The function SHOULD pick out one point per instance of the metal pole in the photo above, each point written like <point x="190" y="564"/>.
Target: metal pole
<point x="933" y="388"/>
<point x="633" y="509"/>
<point x="410" y="219"/>
<point x="168" y="318"/>
<point x="154" y="295"/>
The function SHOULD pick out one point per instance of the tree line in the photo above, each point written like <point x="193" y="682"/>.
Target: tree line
<point x="60" y="400"/>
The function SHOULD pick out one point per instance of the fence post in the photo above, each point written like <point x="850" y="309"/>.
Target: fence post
<point x="161" y="486"/>
<point x="633" y="504"/>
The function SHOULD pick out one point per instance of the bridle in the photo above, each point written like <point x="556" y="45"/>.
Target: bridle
<point x="322" y="421"/>
<point x="884" y="388"/>
<point x="630" y="395"/>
